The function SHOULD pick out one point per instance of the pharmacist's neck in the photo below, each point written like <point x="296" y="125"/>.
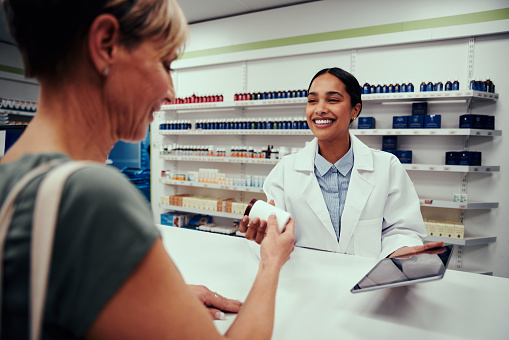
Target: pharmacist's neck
<point x="334" y="151"/>
<point x="71" y="120"/>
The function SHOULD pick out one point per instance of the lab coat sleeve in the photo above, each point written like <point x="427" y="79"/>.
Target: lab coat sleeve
<point x="403" y="224"/>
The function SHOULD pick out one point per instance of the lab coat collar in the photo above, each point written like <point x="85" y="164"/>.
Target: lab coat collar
<point x="362" y="155"/>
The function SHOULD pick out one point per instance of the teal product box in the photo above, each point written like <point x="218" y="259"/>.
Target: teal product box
<point x="389" y="143"/>
<point x="419" y="109"/>
<point x="400" y="122"/>
<point x="366" y="123"/>
<point x="432" y="121"/>
<point x="167" y="219"/>
<point x="415" y="122"/>
<point x="404" y="156"/>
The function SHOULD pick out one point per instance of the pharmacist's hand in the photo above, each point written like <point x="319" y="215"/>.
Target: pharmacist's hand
<point x="276" y="248"/>
<point x="436" y="247"/>
<point x="214" y="302"/>
<point x="255" y="230"/>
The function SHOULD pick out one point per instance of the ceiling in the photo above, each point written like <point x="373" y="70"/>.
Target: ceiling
<point x="202" y="10"/>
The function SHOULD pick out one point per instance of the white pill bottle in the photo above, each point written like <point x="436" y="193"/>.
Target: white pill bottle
<point x="262" y="210"/>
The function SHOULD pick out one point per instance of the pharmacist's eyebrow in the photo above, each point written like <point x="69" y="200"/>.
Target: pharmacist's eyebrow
<point x="328" y="93"/>
<point x="334" y="92"/>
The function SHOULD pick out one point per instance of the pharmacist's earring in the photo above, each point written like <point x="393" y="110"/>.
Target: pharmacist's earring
<point x="106" y="71"/>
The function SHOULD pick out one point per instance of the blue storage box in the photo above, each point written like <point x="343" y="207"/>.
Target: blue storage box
<point x="432" y="121"/>
<point x="366" y="123"/>
<point x="419" y="109"/>
<point x="452" y="158"/>
<point x="415" y="122"/>
<point x="470" y="158"/>
<point x="400" y="122"/>
<point x="389" y="143"/>
<point x="404" y="156"/>
<point x="470" y="122"/>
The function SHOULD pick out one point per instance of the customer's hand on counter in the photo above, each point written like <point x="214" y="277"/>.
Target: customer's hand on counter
<point x="255" y="230"/>
<point x="215" y="303"/>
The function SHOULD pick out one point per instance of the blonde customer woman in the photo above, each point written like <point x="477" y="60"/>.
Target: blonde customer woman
<point x="104" y="68"/>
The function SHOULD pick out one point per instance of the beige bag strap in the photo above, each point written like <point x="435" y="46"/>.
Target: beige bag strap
<point x="46" y="207"/>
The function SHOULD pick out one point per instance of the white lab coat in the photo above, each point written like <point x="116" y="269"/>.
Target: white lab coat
<point x="382" y="210"/>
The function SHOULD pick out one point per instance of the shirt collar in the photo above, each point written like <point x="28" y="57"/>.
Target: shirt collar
<point x="344" y="165"/>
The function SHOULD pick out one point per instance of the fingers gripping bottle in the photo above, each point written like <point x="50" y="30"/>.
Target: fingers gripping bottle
<point x="262" y="210"/>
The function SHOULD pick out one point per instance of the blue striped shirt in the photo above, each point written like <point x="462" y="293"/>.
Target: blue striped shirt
<point x="334" y="180"/>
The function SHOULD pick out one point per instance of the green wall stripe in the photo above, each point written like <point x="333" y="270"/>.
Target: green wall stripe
<point x="11" y="69"/>
<point x="453" y="20"/>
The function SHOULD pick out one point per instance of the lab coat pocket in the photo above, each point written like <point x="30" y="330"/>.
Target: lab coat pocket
<point x="367" y="238"/>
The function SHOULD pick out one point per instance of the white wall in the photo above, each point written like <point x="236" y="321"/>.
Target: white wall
<point x="435" y="53"/>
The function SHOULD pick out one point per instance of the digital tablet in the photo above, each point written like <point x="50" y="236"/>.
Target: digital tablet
<point x="396" y="272"/>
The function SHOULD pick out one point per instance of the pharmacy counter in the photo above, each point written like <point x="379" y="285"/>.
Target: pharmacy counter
<point x="314" y="300"/>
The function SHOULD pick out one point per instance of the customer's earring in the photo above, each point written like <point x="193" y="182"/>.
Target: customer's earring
<point x="106" y="71"/>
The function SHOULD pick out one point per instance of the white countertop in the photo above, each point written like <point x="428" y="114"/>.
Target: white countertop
<point x="314" y="300"/>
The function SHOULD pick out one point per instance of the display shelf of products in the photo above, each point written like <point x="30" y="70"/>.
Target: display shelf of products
<point x="272" y="132"/>
<point x="212" y="185"/>
<point x="19" y="113"/>
<point x="451" y="168"/>
<point x="467" y="241"/>
<point x="239" y="160"/>
<point x="426" y="132"/>
<point x="358" y="132"/>
<point x="200" y="211"/>
<point x="457" y="205"/>
<point x="375" y="97"/>
<point x="429" y="96"/>
<point x="411" y="167"/>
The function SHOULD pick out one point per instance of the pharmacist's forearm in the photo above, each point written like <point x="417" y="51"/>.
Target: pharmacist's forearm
<point x="256" y="317"/>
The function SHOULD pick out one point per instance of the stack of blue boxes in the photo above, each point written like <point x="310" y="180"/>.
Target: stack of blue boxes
<point x="390" y="144"/>
<point x="418" y="120"/>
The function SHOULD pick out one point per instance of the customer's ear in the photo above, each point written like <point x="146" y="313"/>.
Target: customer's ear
<point x="103" y="42"/>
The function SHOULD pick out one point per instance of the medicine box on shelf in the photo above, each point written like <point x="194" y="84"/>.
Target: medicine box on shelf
<point x="416" y="122"/>
<point x="404" y="156"/>
<point x="389" y="143"/>
<point x="419" y="109"/>
<point x="432" y="121"/>
<point x="366" y="123"/>
<point x="472" y="121"/>
<point x="400" y="122"/>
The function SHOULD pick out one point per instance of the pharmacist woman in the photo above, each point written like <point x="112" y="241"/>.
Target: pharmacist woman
<point x="345" y="197"/>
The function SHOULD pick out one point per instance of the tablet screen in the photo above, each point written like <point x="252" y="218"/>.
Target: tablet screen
<point x="394" y="272"/>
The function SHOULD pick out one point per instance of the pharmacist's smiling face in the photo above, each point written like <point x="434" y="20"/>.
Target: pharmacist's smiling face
<point x="329" y="109"/>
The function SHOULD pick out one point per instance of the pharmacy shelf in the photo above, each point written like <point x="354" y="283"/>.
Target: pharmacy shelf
<point x="410" y="167"/>
<point x="15" y="112"/>
<point x="274" y="132"/>
<point x="275" y="103"/>
<point x="200" y="211"/>
<point x="301" y="102"/>
<point x="426" y="132"/>
<point x="212" y="185"/>
<point x="467" y="241"/>
<point x="451" y="168"/>
<point x="430" y="96"/>
<point x="457" y="205"/>
<point x="358" y="132"/>
<point x="240" y="160"/>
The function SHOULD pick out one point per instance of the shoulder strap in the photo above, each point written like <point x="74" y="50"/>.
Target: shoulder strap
<point x="44" y="222"/>
<point x="47" y="203"/>
<point x="7" y="211"/>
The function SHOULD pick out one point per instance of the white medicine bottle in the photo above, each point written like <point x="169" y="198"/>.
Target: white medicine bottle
<point x="262" y="210"/>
